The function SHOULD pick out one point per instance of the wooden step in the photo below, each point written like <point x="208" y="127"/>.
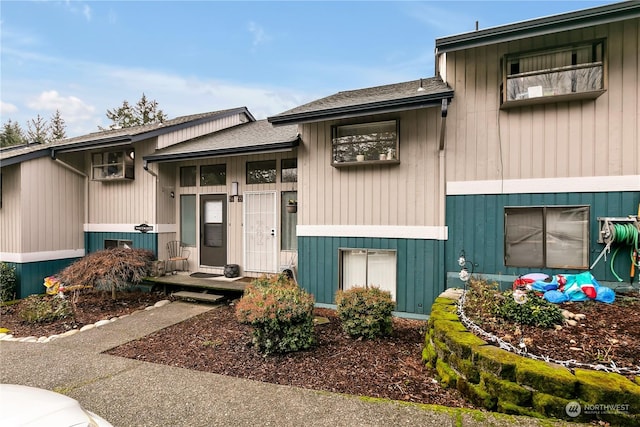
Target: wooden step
<point x="197" y="296"/>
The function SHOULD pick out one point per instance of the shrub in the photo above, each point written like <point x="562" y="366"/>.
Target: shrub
<point x="280" y="312"/>
<point x="365" y="312"/>
<point x="41" y="309"/>
<point x="7" y="282"/>
<point x="110" y="269"/>
<point x="534" y="311"/>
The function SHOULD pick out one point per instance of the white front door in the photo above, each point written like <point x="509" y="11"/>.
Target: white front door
<point x="260" y="232"/>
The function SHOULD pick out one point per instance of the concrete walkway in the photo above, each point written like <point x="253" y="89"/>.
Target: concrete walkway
<point x="131" y="393"/>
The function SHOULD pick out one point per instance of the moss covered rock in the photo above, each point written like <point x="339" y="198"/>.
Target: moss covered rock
<point x="499" y="362"/>
<point x="462" y="343"/>
<point x="476" y="394"/>
<point x="465" y="367"/>
<point x="448" y="377"/>
<point x="608" y="388"/>
<point x="512" y="409"/>
<point x="429" y="355"/>
<point x="551" y="406"/>
<point x="506" y="391"/>
<point x="546" y="378"/>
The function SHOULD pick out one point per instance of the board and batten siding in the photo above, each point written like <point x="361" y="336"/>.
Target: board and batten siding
<point x="407" y="194"/>
<point x="125" y="201"/>
<point x="52" y="210"/>
<point x="10" y="213"/>
<point x="590" y="138"/>
<point x="201" y="129"/>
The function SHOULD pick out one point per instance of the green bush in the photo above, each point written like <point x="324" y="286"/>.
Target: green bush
<point x="7" y="282"/>
<point x="536" y="311"/>
<point x="365" y="312"/>
<point x="280" y="312"/>
<point x="41" y="308"/>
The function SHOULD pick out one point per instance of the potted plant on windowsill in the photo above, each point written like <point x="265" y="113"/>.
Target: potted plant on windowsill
<point x="292" y="206"/>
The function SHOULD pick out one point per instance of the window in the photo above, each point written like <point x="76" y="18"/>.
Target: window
<point x="213" y="175"/>
<point x="289" y="170"/>
<point x="365" y="143"/>
<point x="262" y="172"/>
<point x="571" y="72"/>
<point x="188" y="219"/>
<point x="288" y="223"/>
<point x="188" y="176"/>
<point x="368" y="267"/>
<point x="548" y="236"/>
<point x="112" y="165"/>
<point x="117" y="243"/>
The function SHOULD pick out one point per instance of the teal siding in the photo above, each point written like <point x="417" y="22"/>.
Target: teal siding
<point x="94" y="241"/>
<point x="30" y="276"/>
<point x="420" y="263"/>
<point x="476" y="224"/>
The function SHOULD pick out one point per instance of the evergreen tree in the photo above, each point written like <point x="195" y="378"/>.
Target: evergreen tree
<point x="38" y="131"/>
<point x="12" y="134"/>
<point x="144" y="112"/>
<point x="58" y="127"/>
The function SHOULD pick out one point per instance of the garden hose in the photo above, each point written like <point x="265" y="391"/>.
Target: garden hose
<point x="625" y="235"/>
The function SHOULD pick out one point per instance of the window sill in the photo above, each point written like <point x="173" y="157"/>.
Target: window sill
<point x="366" y="163"/>
<point x="552" y="99"/>
<point x="114" y="178"/>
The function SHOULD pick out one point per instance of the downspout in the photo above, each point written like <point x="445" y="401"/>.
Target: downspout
<point x="145" y="166"/>
<point x="442" y="160"/>
<point x="86" y="187"/>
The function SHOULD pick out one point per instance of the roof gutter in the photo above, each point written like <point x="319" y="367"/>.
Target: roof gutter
<point x="235" y="151"/>
<point x="540" y="26"/>
<point x="363" y="109"/>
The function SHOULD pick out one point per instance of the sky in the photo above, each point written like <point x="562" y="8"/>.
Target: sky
<point x="85" y="57"/>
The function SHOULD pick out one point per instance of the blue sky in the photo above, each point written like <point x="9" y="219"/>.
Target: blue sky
<point x="84" y="57"/>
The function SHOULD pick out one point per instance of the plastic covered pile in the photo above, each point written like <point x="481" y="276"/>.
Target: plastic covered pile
<point x="566" y="287"/>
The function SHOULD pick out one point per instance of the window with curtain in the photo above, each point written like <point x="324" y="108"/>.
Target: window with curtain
<point x="261" y="172"/>
<point x="188" y="219"/>
<point x="213" y="175"/>
<point x="289" y="221"/>
<point x="369" y="267"/>
<point x="547" y="236"/>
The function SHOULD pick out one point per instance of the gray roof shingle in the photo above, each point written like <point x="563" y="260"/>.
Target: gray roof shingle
<point x="379" y="99"/>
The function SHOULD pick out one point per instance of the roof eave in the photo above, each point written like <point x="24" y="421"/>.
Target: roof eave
<point x="540" y="26"/>
<point x="233" y="151"/>
<point x="432" y="100"/>
<point x="24" y="157"/>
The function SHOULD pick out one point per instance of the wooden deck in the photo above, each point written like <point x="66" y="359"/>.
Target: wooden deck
<point x="184" y="281"/>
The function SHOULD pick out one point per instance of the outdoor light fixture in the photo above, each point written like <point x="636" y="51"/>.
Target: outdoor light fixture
<point x="234" y="192"/>
<point x="464" y="274"/>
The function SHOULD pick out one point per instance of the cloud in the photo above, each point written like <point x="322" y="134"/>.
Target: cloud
<point x="7" y="108"/>
<point x="258" y="33"/>
<point x="78" y="7"/>
<point x="72" y="109"/>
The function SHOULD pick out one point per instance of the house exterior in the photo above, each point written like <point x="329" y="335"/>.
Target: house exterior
<point x="511" y="155"/>
<point x="526" y="136"/>
<point x="145" y="186"/>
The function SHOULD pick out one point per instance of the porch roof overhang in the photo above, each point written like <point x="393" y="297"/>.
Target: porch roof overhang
<point x="540" y="26"/>
<point x="422" y="93"/>
<point x="18" y="154"/>
<point x="248" y="138"/>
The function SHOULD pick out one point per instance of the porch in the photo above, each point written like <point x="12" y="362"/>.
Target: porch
<point x="207" y="289"/>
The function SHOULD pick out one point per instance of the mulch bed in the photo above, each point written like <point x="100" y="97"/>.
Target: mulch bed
<point x="216" y="342"/>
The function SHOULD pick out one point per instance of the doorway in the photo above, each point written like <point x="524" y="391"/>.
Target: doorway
<point x="260" y="232"/>
<point x="213" y="230"/>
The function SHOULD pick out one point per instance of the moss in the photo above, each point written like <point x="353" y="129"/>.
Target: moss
<point x="429" y="355"/>
<point x="465" y="367"/>
<point x="603" y="387"/>
<point x="637" y="380"/>
<point x="442" y="350"/>
<point x="4" y="331"/>
<point x="499" y="362"/>
<point x="448" y="377"/>
<point x="551" y="406"/>
<point x="506" y="391"/>
<point x="546" y="378"/>
<point x="462" y="343"/>
<point x="444" y="301"/>
<point x="513" y="409"/>
<point x="476" y="394"/>
<point x="442" y="328"/>
<point x="442" y="315"/>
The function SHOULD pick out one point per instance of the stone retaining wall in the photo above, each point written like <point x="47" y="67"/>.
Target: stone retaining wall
<point x="502" y="381"/>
